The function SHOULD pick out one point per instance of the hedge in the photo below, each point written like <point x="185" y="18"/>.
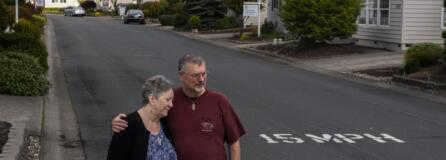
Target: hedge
<point x="167" y="20"/>
<point x="25" y="43"/>
<point x="28" y="59"/>
<point x="38" y="20"/>
<point x="19" y="76"/>
<point x="26" y="27"/>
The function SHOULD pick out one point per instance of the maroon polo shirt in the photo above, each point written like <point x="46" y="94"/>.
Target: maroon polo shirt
<point x="200" y="134"/>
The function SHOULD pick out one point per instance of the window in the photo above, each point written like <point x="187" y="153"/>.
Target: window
<point x="54" y="1"/>
<point x="276" y="4"/>
<point x="443" y="18"/>
<point x="63" y="1"/>
<point x="374" y="13"/>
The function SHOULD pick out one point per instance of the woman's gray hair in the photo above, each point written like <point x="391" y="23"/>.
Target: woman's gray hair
<point x="189" y="58"/>
<point x="155" y="86"/>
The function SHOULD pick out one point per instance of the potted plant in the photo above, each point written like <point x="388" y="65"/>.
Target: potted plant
<point x="194" y="23"/>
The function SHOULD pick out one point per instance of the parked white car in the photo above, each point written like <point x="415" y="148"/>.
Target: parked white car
<point x="74" y="11"/>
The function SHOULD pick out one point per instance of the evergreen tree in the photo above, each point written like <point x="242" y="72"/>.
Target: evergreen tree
<point x="209" y="11"/>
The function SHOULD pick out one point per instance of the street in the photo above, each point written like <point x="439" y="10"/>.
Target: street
<point x="288" y="113"/>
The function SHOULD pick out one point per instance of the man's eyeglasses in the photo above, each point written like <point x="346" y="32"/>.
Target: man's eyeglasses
<point x="197" y="75"/>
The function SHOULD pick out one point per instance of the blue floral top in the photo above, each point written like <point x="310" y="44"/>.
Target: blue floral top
<point x="160" y="148"/>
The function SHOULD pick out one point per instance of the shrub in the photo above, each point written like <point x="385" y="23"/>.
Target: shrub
<point x="21" y="42"/>
<point x="39" y="20"/>
<point x="422" y="55"/>
<point x="181" y="21"/>
<point x="411" y="65"/>
<point x="268" y="28"/>
<point x="167" y="20"/>
<point x="52" y="11"/>
<point x="26" y="27"/>
<point x="443" y="35"/>
<point x="18" y="77"/>
<point x="154" y="9"/>
<point x="224" y="23"/>
<point x="97" y="14"/>
<point x="194" y="21"/>
<point x="88" y="5"/>
<point x="320" y="20"/>
<point x="244" y="37"/>
<point x="23" y="57"/>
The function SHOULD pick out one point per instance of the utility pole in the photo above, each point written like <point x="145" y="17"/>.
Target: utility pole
<point x="16" y="11"/>
<point x="258" y="18"/>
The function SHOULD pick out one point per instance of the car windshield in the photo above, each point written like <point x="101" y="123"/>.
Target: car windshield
<point x="134" y="12"/>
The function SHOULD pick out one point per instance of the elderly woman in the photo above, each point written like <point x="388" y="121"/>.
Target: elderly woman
<point x="145" y="137"/>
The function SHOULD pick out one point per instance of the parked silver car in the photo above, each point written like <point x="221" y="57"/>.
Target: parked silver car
<point x="134" y="15"/>
<point x="74" y="11"/>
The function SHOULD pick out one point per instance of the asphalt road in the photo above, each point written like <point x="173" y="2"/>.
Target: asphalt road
<point x="288" y="113"/>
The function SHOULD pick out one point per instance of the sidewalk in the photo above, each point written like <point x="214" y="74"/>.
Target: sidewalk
<point x="49" y="119"/>
<point x="24" y="113"/>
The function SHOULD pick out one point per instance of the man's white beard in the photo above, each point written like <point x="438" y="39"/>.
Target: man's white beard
<point x="199" y="89"/>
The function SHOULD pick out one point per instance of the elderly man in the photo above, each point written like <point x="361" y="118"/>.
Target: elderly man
<point x="201" y="121"/>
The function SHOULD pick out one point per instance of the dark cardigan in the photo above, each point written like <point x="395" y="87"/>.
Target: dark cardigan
<point x="132" y="143"/>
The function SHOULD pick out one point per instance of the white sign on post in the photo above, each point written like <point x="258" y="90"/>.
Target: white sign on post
<point x="250" y="10"/>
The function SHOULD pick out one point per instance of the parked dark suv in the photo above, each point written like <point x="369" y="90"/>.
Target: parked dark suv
<point x="134" y="15"/>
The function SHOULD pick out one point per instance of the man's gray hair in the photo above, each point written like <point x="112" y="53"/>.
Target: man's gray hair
<point x="189" y="58"/>
<point x="155" y="86"/>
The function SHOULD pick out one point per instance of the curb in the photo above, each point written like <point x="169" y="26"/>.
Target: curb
<point x="419" y="83"/>
<point x="60" y="122"/>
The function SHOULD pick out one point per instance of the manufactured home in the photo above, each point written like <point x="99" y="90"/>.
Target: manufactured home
<point x="60" y="3"/>
<point x="390" y="24"/>
<point x="397" y="24"/>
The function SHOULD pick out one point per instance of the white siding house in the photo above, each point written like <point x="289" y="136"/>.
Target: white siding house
<point x="60" y="3"/>
<point x="390" y="24"/>
<point x="396" y="24"/>
<point x="273" y="9"/>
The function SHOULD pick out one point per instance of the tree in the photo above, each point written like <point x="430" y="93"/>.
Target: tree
<point x="237" y="7"/>
<point x="88" y="5"/>
<point x="5" y="17"/>
<point x="319" y="20"/>
<point x="12" y="2"/>
<point x="154" y="9"/>
<point x="209" y="11"/>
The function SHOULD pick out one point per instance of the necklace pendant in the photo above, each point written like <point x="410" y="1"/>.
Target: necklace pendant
<point x="193" y="106"/>
<point x="159" y="140"/>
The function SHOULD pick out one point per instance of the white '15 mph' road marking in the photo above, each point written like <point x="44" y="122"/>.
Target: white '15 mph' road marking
<point x="326" y="138"/>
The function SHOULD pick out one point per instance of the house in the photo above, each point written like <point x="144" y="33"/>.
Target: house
<point x="60" y="3"/>
<point x="390" y="24"/>
<point x="273" y="10"/>
<point x="397" y="24"/>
